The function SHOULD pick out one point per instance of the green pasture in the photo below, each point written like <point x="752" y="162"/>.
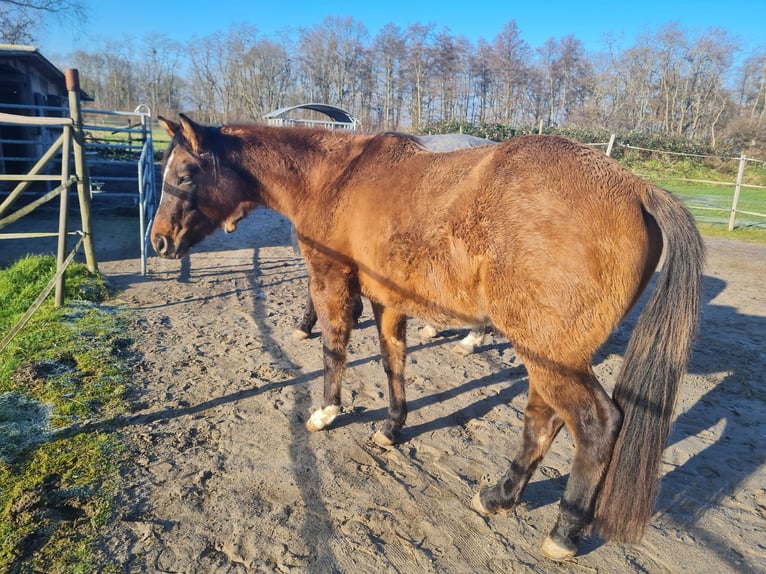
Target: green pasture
<point x="713" y="203"/>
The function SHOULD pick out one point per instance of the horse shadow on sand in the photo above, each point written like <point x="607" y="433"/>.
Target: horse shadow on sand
<point x="730" y="347"/>
<point x="729" y="342"/>
<point x="732" y="407"/>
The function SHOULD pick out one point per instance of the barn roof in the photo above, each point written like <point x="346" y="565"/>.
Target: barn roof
<point x="35" y="58"/>
<point x="337" y="114"/>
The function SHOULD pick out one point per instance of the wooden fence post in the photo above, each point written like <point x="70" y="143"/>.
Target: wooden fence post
<point x="610" y="145"/>
<point x="737" y="187"/>
<point x="81" y="168"/>
<point x="63" y="214"/>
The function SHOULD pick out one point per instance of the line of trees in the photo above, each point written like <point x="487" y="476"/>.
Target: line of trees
<point x="670" y="82"/>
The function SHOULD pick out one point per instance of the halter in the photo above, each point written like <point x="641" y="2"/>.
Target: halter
<point x="183" y="194"/>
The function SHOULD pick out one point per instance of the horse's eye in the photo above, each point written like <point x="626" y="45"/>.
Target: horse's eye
<point x="184" y="179"/>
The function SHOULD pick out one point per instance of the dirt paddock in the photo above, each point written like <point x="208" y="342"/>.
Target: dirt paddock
<point x="224" y="477"/>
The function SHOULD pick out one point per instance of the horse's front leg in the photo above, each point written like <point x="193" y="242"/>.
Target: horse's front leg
<point x="334" y="308"/>
<point x="392" y="332"/>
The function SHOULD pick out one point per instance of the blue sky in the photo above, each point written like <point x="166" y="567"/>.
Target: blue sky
<point x="537" y="21"/>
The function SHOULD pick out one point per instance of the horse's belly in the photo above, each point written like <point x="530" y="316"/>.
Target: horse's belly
<point x="443" y="296"/>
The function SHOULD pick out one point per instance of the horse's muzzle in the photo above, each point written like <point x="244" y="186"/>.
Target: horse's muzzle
<point x="165" y="247"/>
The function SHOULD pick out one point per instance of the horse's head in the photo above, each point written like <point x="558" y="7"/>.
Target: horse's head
<point x="199" y="192"/>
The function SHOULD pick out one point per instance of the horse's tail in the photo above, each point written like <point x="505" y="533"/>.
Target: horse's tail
<point x="654" y="364"/>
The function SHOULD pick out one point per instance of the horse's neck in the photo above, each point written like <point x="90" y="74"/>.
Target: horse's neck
<point x="297" y="167"/>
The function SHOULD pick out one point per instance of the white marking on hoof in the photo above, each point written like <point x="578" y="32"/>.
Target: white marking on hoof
<point x="478" y="506"/>
<point x="299" y="335"/>
<point x="382" y="440"/>
<point x="427" y="332"/>
<point x="322" y="418"/>
<point x="556" y="551"/>
<point x="469" y="343"/>
<point x="463" y="348"/>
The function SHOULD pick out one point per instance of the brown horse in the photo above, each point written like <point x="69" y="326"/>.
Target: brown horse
<point x="550" y="241"/>
<point x="434" y="143"/>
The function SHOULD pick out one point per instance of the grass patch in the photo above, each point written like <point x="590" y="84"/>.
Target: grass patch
<point x="749" y="234"/>
<point x="67" y="366"/>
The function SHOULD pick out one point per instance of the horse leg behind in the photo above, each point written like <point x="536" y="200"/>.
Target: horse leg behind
<point x="303" y="330"/>
<point x="466" y="346"/>
<point x="559" y="395"/>
<point x="392" y="333"/>
<point x="309" y="319"/>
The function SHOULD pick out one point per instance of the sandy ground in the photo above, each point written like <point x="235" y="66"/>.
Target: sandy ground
<point x="224" y="477"/>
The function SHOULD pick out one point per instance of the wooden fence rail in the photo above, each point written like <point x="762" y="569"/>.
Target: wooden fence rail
<point x="69" y="144"/>
<point x="739" y="184"/>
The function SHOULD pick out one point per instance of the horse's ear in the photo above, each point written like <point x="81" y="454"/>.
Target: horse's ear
<point x="192" y="133"/>
<point x="169" y="126"/>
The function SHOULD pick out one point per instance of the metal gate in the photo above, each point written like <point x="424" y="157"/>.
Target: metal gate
<point x="120" y="156"/>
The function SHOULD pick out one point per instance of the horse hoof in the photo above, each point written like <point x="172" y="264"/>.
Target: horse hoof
<point x="461" y="349"/>
<point x="382" y="440"/>
<point x="478" y="506"/>
<point x="427" y="332"/>
<point x="558" y="551"/>
<point x="481" y="508"/>
<point x="299" y="335"/>
<point x="322" y="418"/>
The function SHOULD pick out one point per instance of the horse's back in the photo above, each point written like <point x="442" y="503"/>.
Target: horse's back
<point x="546" y="238"/>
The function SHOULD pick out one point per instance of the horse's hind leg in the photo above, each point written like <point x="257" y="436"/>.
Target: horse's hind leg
<point x="358" y="308"/>
<point x="594" y="421"/>
<point x="578" y="400"/>
<point x="541" y="425"/>
<point x="303" y="330"/>
<point x="392" y="332"/>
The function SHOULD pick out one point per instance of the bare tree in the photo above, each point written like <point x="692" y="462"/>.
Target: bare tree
<point x="390" y="47"/>
<point x="710" y="57"/>
<point x="510" y="64"/>
<point x="565" y="70"/>
<point x="331" y="55"/>
<point x="418" y="70"/>
<point x="22" y="20"/>
<point x="754" y="93"/>
<point x="482" y="81"/>
<point x="157" y="73"/>
<point x="207" y="91"/>
<point x="747" y="129"/>
<point x="109" y="75"/>
<point x="273" y="81"/>
<point x="243" y="74"/>
<point x="450" y="69"/>
<point x="668" y="81"/>
<point x="632" y="84"/>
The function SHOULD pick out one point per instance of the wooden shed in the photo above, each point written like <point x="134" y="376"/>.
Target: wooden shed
<point x="29" y="85"/>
